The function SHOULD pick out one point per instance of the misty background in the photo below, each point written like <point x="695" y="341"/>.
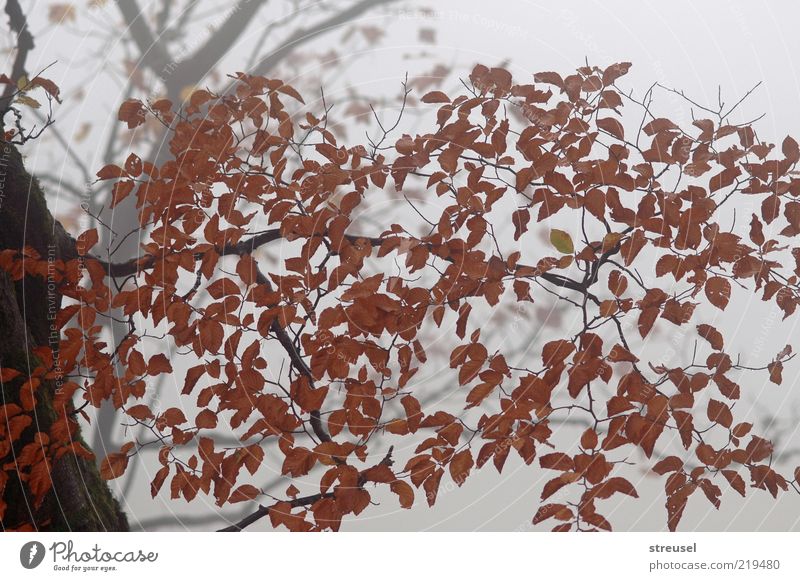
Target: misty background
<point x="360" y="53"/>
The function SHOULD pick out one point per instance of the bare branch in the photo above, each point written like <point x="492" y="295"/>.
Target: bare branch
<point x="19" y="24"/>
<point x="191" y="70"/>
<point x="153" y="53"/>
<point x="303" y="36"/>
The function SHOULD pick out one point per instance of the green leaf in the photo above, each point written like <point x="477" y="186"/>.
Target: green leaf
<point x="562" y="241"/>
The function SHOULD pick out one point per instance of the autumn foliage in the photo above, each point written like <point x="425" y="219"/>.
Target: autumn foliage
<point x="563" y="187"/>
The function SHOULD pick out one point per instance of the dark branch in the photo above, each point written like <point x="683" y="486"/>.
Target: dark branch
<point x="129" y="267"/>
<point x="264" y="511"/>
<point x="297" y="361"/>
<point x="19" y="24"/>
<point x="153" y="53"/>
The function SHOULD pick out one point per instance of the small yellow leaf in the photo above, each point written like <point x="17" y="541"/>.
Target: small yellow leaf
<point x="562" y="241"/>
<point x="564" y="261"/>
<point x="25" y="100"/>
<point x="611" y="240"/>
<point x="186" y="92"/>
<point x="22" y="83"/>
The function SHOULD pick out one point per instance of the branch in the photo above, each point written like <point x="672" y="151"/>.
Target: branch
<point x="296" y="359"/>
<point x="19" y="24"/>
<point x="247" y="247"/>
<point x="129" y="267"/>
<point x="303" y="36"/>
<point x="564" y="282"/>
<point x="263" y="511"/>
<point x="191" y="70"/>
<point x="153" y="53"/>
<point x="134" y="265"/>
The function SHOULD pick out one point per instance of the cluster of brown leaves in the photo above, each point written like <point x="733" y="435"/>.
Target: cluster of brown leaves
<point x="502" y="154"/>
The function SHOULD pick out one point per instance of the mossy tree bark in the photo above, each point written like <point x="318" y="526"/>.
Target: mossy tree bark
<point x="80" y="500"/>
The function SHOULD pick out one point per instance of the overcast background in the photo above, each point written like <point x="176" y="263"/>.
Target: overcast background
<point x="704" y="48"/>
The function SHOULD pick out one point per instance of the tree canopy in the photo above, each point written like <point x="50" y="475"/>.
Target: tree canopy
<point x="311" y="333"/>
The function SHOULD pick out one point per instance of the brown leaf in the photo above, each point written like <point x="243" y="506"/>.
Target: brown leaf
<point x="86" y="241"/>
<point x="776" y="372"/>
<point x="206" y="419"/>
<point x="711" y="335"/>
<point x="790" y="150"/>
<point x="556" y="461"/>
<point x="404" y="492"/>
<point x="668" y="464"/>
<point x="558" y="511"/>
<point x="736" y="481"/>
<point x="243" y="493"/>
<point x="132" y="112"/>
<point x="612" y="126"/>
<point x="460" y="466"/>
<point x="435" y="97"/>
<point x="720" y="413"/>
<point x="718" y="291"/>
<point x="589" y="439"/>
<point x="113" y="465"/>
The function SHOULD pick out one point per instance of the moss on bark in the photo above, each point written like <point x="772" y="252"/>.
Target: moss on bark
<point x="80" y="499"/>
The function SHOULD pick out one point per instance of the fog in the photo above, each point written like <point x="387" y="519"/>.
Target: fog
<point x="712" y="51"/>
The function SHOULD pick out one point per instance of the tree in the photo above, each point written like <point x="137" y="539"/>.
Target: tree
<point x="168" y="48"/>
<point x="48" y="479"/>
<point x="315" y="362"/>
<point x="44" y="482"/>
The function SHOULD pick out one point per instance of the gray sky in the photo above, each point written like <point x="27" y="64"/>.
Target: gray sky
<point x="707" y="49"/>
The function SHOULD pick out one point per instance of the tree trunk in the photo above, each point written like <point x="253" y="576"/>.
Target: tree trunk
<point x="80" y="500"/>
